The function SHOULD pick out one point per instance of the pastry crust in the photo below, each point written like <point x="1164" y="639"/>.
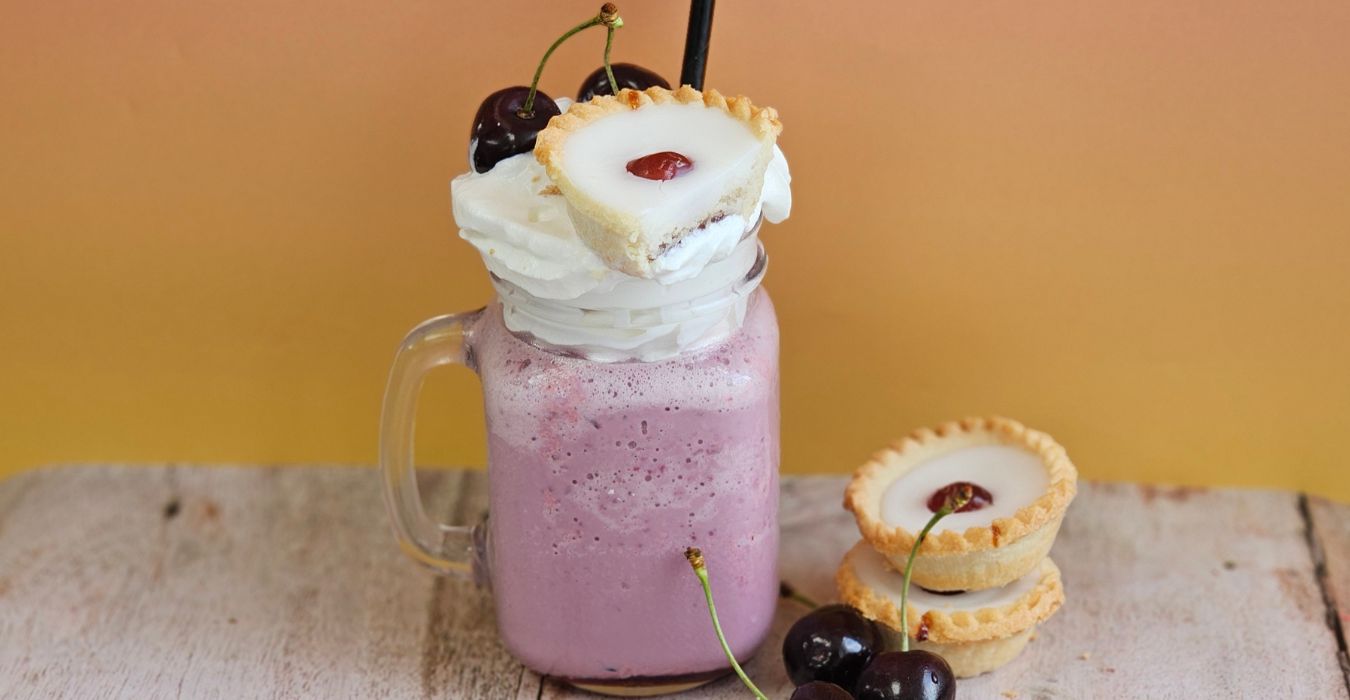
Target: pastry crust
<point x="969" y="659"/>
<point x="961" y="626"/>
<point x="548" y="146"/>
<point x="617" y="236"/>
<point x="979" y="557"/>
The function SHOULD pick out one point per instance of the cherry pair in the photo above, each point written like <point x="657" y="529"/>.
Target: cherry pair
<point x="834" y="653"/>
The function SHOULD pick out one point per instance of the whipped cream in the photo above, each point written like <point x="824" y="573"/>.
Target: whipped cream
<point x="553" y="287"/>
<point x="639" y="319"/>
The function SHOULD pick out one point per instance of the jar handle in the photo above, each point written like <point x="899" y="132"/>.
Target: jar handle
<point x="456" y="550"/>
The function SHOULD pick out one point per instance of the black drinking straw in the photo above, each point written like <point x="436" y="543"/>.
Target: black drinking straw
<point x="696" y="43"/>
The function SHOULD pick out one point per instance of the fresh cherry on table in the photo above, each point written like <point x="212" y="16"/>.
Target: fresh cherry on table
<point x="502" y="128"/>
<point x="906" y="675"/>
<point x="627" y="75"/>
<point x="832" y="643"/>
<point x="979" y="497"/>
<point x="820" y="690"/>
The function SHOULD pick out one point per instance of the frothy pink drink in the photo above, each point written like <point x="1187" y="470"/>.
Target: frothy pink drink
<point x="630" y="379"/>
<point x="601" y="474"/>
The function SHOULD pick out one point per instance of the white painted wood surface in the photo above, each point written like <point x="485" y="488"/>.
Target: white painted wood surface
<point x="163" y="582"/>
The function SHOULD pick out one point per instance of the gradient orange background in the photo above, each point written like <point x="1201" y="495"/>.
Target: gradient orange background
<point x="1127" y="223"/>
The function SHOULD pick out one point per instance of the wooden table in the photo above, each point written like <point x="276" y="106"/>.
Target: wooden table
<point x="165" y="582"/>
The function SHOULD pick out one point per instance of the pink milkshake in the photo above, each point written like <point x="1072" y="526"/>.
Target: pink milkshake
<point x="630" y="382"/>
<point x="603" y="473"/>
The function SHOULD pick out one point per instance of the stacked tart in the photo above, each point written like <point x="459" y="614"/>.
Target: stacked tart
<point x="982" y="578"/>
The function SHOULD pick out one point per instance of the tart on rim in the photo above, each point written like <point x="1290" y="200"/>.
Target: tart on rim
<point x="1023" y="481"/>
<point x="975" y="631"/>
<point x="640" y="170"/>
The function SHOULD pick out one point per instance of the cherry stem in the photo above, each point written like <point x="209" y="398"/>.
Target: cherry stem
<point x="608" y="16"/>
<point x="695" y="557"/>
<point x="785" y="590"/>
<point x="955" y="501"/>
<point x="609" y="71"/>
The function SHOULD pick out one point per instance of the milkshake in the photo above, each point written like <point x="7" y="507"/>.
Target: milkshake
<point x="632" y="412"/>
<point x="602" y="473"/>
<point x="630" y="380"/>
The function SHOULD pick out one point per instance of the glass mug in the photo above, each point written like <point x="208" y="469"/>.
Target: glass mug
<point x="601" y="473"/>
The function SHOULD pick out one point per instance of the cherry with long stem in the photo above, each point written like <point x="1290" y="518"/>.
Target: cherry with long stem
<point x="608" y="16"/>
<point x="958" y="498"/>
<point x="695" y="557"/>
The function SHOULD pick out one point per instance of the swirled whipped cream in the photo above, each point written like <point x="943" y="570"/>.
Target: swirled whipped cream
<point x="555" y="288"/>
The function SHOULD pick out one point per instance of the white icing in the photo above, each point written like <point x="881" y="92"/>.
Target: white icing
<point x="722" y="148"/>
<point x="1013" y="476"/>
<point x="527" y="240"/>
<point x="875" y="572"/>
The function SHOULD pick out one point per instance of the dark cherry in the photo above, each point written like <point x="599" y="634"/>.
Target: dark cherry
<point x="500" y="130"/>
<point x="980" y="497"/>
<point x="832" y="643"/>
<point x="626" y="75"/>
<point x="665" y="165"/>
<point x="906" y="675"/>
<point x="820" y="690"/>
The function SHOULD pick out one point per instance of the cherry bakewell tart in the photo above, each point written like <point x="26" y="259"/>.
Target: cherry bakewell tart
<point x="975" y="631"/>
<point x="642" y="169"/>
<point x="1022" y="482"/>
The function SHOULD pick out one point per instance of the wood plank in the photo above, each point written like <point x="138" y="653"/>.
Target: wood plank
<point x="461" y="653"/>
<point x="206" y="583"/>
<point x="106" y="591"/>
<point x="1329" y="524"/>
<point x="1180" y="593"/>
<point x="1172" y="594"/>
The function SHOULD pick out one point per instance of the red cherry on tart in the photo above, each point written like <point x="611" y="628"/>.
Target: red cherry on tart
<point x="665" y="165"/>
<point x="980" y="497"/>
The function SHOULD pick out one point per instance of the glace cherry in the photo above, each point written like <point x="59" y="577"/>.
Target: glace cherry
<point x="906" y="675"/>
<point x="502" y="129"/>
<point x="820" y="690"/>
<point x="665" y="165"/>
<point x="831" y="643"/>
<point x="627" y="75"/>
<point x="979" y="498"/>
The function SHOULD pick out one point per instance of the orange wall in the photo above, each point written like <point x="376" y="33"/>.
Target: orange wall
<point x="1125" y="222"/>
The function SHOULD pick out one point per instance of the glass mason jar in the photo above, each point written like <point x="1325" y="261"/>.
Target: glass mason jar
<point x="620" y="432"/>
